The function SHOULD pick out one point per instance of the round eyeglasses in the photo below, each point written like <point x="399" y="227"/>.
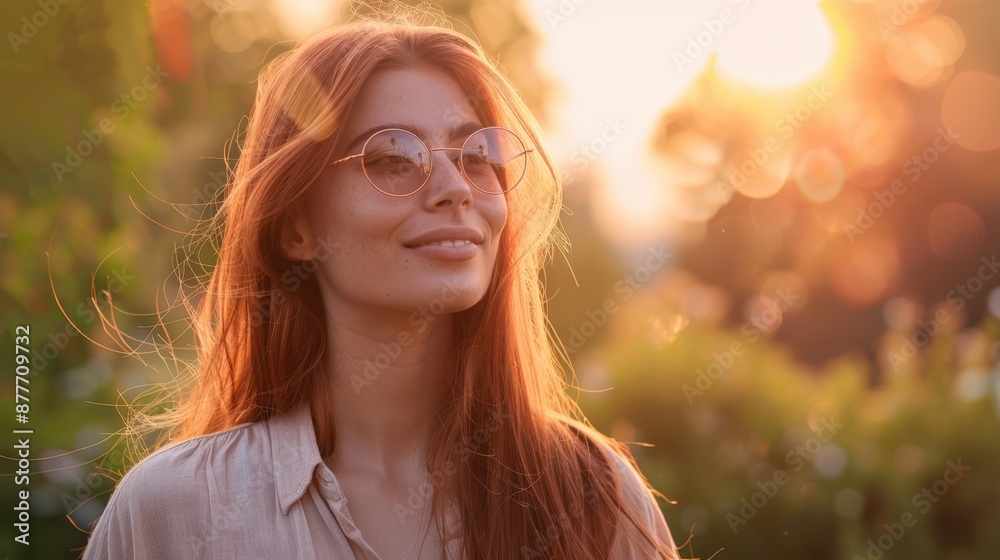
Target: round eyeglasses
<point x="398" y="163"/>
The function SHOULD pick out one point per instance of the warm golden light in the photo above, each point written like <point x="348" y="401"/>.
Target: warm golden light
<point x="630" y="203"/>
<point x="788" y="284"/>
<point x="862" y="274"/>
<point x="779" y="44"/>
<point x="970" y="108"/>
<point x="819" y="175"/>
<point x="302" y="17"/>
<point x="622" y="75"/>
<point x="760" y="181"/>
<point x="922" y="55"/>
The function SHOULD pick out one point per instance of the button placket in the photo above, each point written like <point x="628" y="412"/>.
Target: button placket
<point x="334" y="494"/>
<point x="330" y="489"/>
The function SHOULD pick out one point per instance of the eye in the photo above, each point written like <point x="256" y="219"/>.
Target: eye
<point x="476" y="159"/>
<point x="390" y="162"/>
<point x="387" y="158"/>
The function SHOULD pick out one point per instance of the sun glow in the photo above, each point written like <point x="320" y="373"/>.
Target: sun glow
<point x="780" y="44"/>
<point x="302" y="17"/>
<point x="629" y="66"/>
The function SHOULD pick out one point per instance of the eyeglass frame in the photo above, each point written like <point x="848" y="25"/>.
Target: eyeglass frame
<point x="430" y="160"/>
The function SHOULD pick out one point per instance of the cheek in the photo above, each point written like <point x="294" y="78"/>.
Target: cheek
<point x="366" y="240"/>
<point x="347" y="242"/>
<point x="496" y="218"/>
<point x="357" y="219"/>
<point x="496" y="215"/>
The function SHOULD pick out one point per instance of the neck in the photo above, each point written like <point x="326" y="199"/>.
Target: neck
<point x="391" y="375"/>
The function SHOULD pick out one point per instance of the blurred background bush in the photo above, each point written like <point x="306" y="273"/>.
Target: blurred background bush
<point x="784" y="224"/>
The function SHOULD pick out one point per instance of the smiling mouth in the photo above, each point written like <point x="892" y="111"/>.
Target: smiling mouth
<point x="445" y="243"/>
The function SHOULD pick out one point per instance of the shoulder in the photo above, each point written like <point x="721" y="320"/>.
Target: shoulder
<point x="180" y="468"/>
<point x="626" y="473"/>
<point x="632" y="483"/>
<point x="641" y="512"/>
<point x="638" y="498"/>
<point x="166" y="496"/>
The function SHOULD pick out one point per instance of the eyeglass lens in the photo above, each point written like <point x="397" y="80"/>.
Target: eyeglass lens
<point x="397" y="162"/>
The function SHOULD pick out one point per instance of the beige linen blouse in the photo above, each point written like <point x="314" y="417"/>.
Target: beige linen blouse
<point x="261" y="490"/>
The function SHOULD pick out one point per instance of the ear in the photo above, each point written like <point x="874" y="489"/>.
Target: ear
<point x="298" y="241"/>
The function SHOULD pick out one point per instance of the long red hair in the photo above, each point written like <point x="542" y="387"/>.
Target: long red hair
<point x="533" y="476"/>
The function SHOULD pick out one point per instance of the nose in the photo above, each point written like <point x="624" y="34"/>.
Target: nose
<point x="446" y="185"/>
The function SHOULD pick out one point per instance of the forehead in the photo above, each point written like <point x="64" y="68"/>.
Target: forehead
<point x="428" y="100"/>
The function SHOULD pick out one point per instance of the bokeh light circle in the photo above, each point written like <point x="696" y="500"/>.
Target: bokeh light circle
<point x="955" y="231"/>
<point x="993" y="302"/>
<point x="849" y="503"/>
<point x="819" y="175"/>
<point x="970" y="108"/>
<point x="863" y="273"/>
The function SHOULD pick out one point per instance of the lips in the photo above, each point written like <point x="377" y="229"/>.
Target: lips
<point x="446" y="237"/>
<point x="446" y="243"/>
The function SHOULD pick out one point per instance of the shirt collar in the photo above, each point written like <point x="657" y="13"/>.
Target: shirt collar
<point x="294" y="453"/>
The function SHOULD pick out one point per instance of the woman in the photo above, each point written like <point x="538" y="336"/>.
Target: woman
<point x="376" y="379"/>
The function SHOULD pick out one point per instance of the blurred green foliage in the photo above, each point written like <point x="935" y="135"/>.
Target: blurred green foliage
<point x="831" y="459"/>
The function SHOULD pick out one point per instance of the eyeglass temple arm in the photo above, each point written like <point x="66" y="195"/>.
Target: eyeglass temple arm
<point x="525" y="152"/>
<point x="528" y="151"/>
<point x="342" y="160"/>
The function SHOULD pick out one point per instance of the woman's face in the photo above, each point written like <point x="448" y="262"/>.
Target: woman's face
<point x="367" y="244"/>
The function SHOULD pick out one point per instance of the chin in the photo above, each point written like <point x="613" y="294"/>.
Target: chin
<point x="452" y="294"/>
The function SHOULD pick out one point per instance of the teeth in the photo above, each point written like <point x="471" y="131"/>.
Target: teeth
<point x="450" y="243"/>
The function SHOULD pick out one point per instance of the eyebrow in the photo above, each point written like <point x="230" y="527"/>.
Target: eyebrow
<point x="458" y="131"/>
